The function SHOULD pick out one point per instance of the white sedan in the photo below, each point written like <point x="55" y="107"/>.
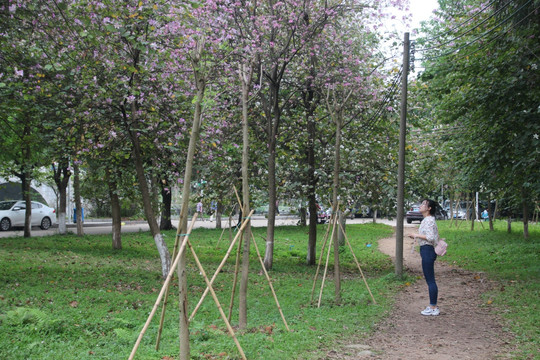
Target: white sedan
<point x="12" y="213"/>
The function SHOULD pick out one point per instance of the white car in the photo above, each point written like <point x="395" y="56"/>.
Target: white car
<point x="12" y="214"/>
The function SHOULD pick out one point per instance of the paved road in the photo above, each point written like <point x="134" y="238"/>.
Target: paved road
<point x="105" y="227"/>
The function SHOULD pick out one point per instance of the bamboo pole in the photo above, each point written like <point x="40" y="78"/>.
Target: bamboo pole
<point x="477" y="207"/>
<point x="235" y="279"/>
<point x="357" y="263"/>
<point x="221" y="236"/>
<point x="220" y="267"/>
<point x="209" y="286"/>
<point x="269" y="282"/>
<point x="166" y="297"/>
<point x="466" y="213"/>
<point x="320" y="260"/>
<point x="163" y="288"/>
<point x="237" y="262"/>
<point x="327" y="260"/>
<point x="458" y="203"/>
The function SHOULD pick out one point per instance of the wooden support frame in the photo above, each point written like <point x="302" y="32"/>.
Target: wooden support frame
<point x="334" y="221"/>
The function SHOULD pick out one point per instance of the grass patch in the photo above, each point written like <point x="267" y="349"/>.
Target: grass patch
<point x="76" y="298"/>
<point x="515" y="263"/>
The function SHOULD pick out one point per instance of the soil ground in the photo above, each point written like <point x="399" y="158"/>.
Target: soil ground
<point x="467" y="327"/>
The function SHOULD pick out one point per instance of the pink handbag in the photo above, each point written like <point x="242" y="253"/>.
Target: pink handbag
<point x="440" y="249"/>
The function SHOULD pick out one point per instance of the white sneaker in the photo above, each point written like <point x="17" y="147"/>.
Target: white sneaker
<point x="429" y="311"/>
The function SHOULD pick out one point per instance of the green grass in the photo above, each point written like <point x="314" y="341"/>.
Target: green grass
<point x="515" y="263"/>
<point x="75" y="298"/>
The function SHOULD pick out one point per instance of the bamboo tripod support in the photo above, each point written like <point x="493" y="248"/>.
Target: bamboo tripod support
<point x="235" y="280"/>
<point x="466" y="212"/>
<point x="357" y="263"/>
<point x="264" y="270"/>
<point x="166" y="298"/>
<point x="237" y="262"/>
<point x="163" y="288"/>
<point x="209" y="286"/>
<point x="269" y="282"/>
<point x="320" y="259"/>
<point x="327" y="260"/>
<point x="334" y="222"/>
<point x="219" y="268"/>
<point x="223" y="230"/>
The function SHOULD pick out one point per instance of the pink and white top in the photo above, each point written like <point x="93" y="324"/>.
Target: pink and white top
<point x="428" y="227"/>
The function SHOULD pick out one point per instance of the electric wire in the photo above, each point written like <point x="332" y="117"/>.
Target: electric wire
<point x="466" y="32"/>
<point x="385" y="98"/>
<point x="455" y="60"/>
<point x="462" y="23"/>
<point x="376" y="117"/>
<point x="496" y="37"/>
<point x="478" y="37"/>
<point x="386" y="101"/>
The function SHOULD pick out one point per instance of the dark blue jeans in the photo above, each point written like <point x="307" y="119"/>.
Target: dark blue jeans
<point x="427" y="252"/>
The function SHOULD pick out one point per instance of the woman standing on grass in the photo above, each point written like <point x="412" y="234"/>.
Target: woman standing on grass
<point x="427" y="237"/>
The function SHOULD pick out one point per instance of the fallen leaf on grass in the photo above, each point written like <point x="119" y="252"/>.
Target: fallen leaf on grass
<point x="74" y="304"/>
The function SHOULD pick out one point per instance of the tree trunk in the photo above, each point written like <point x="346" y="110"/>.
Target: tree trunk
<point x="115" y="212"/>
<point x="311" y="258"/>
<point x="141" y="177"/>
<point x="166" y="195"/>
<point x="78" y="204"/>
<point x="312" y="201"/>
<point x="343" y="222"/>
<point x="219" y="211"/>
<point x="303" y="216"/>
<point x="182" y="223"/>
<point x="525" y="215"/>
<point x="335" y="190"/>
<point x="273" y="115"/>
<point x="269" y="253"/>
<point x="509" y="225"/>
<point x="61" y="178"/>
<point x="245" y="78"/>
<point x="374" y="216"/>
<point x="26" y="181"/>
<point x="147" y="203"/>
<point x="490" y="214"/>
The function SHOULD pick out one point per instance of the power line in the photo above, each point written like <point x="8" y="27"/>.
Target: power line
<point x="462" y="23"/>
<point x="466" y="32"/>
<point x="370" y="123"/>
<point x="479" y="37"/>
<point x="486" y="43"/>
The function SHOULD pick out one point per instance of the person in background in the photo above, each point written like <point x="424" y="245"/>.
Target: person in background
<point x="200" y="209"/>
<point x="427" y="237"/>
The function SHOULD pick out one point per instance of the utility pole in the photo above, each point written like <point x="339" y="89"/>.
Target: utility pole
<point x="401" y="159"/>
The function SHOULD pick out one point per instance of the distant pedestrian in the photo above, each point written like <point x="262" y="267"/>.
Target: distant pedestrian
<point x="200" y="210"/>
<point x="428" y="237"/>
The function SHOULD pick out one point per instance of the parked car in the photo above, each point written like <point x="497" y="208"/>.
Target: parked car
<point x="12" y="214"/>
<point x="460" y="213"/>
<point x="414" y="214"/>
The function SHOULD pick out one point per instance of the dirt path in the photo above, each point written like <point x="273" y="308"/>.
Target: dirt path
<point x="467" y="327"/>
